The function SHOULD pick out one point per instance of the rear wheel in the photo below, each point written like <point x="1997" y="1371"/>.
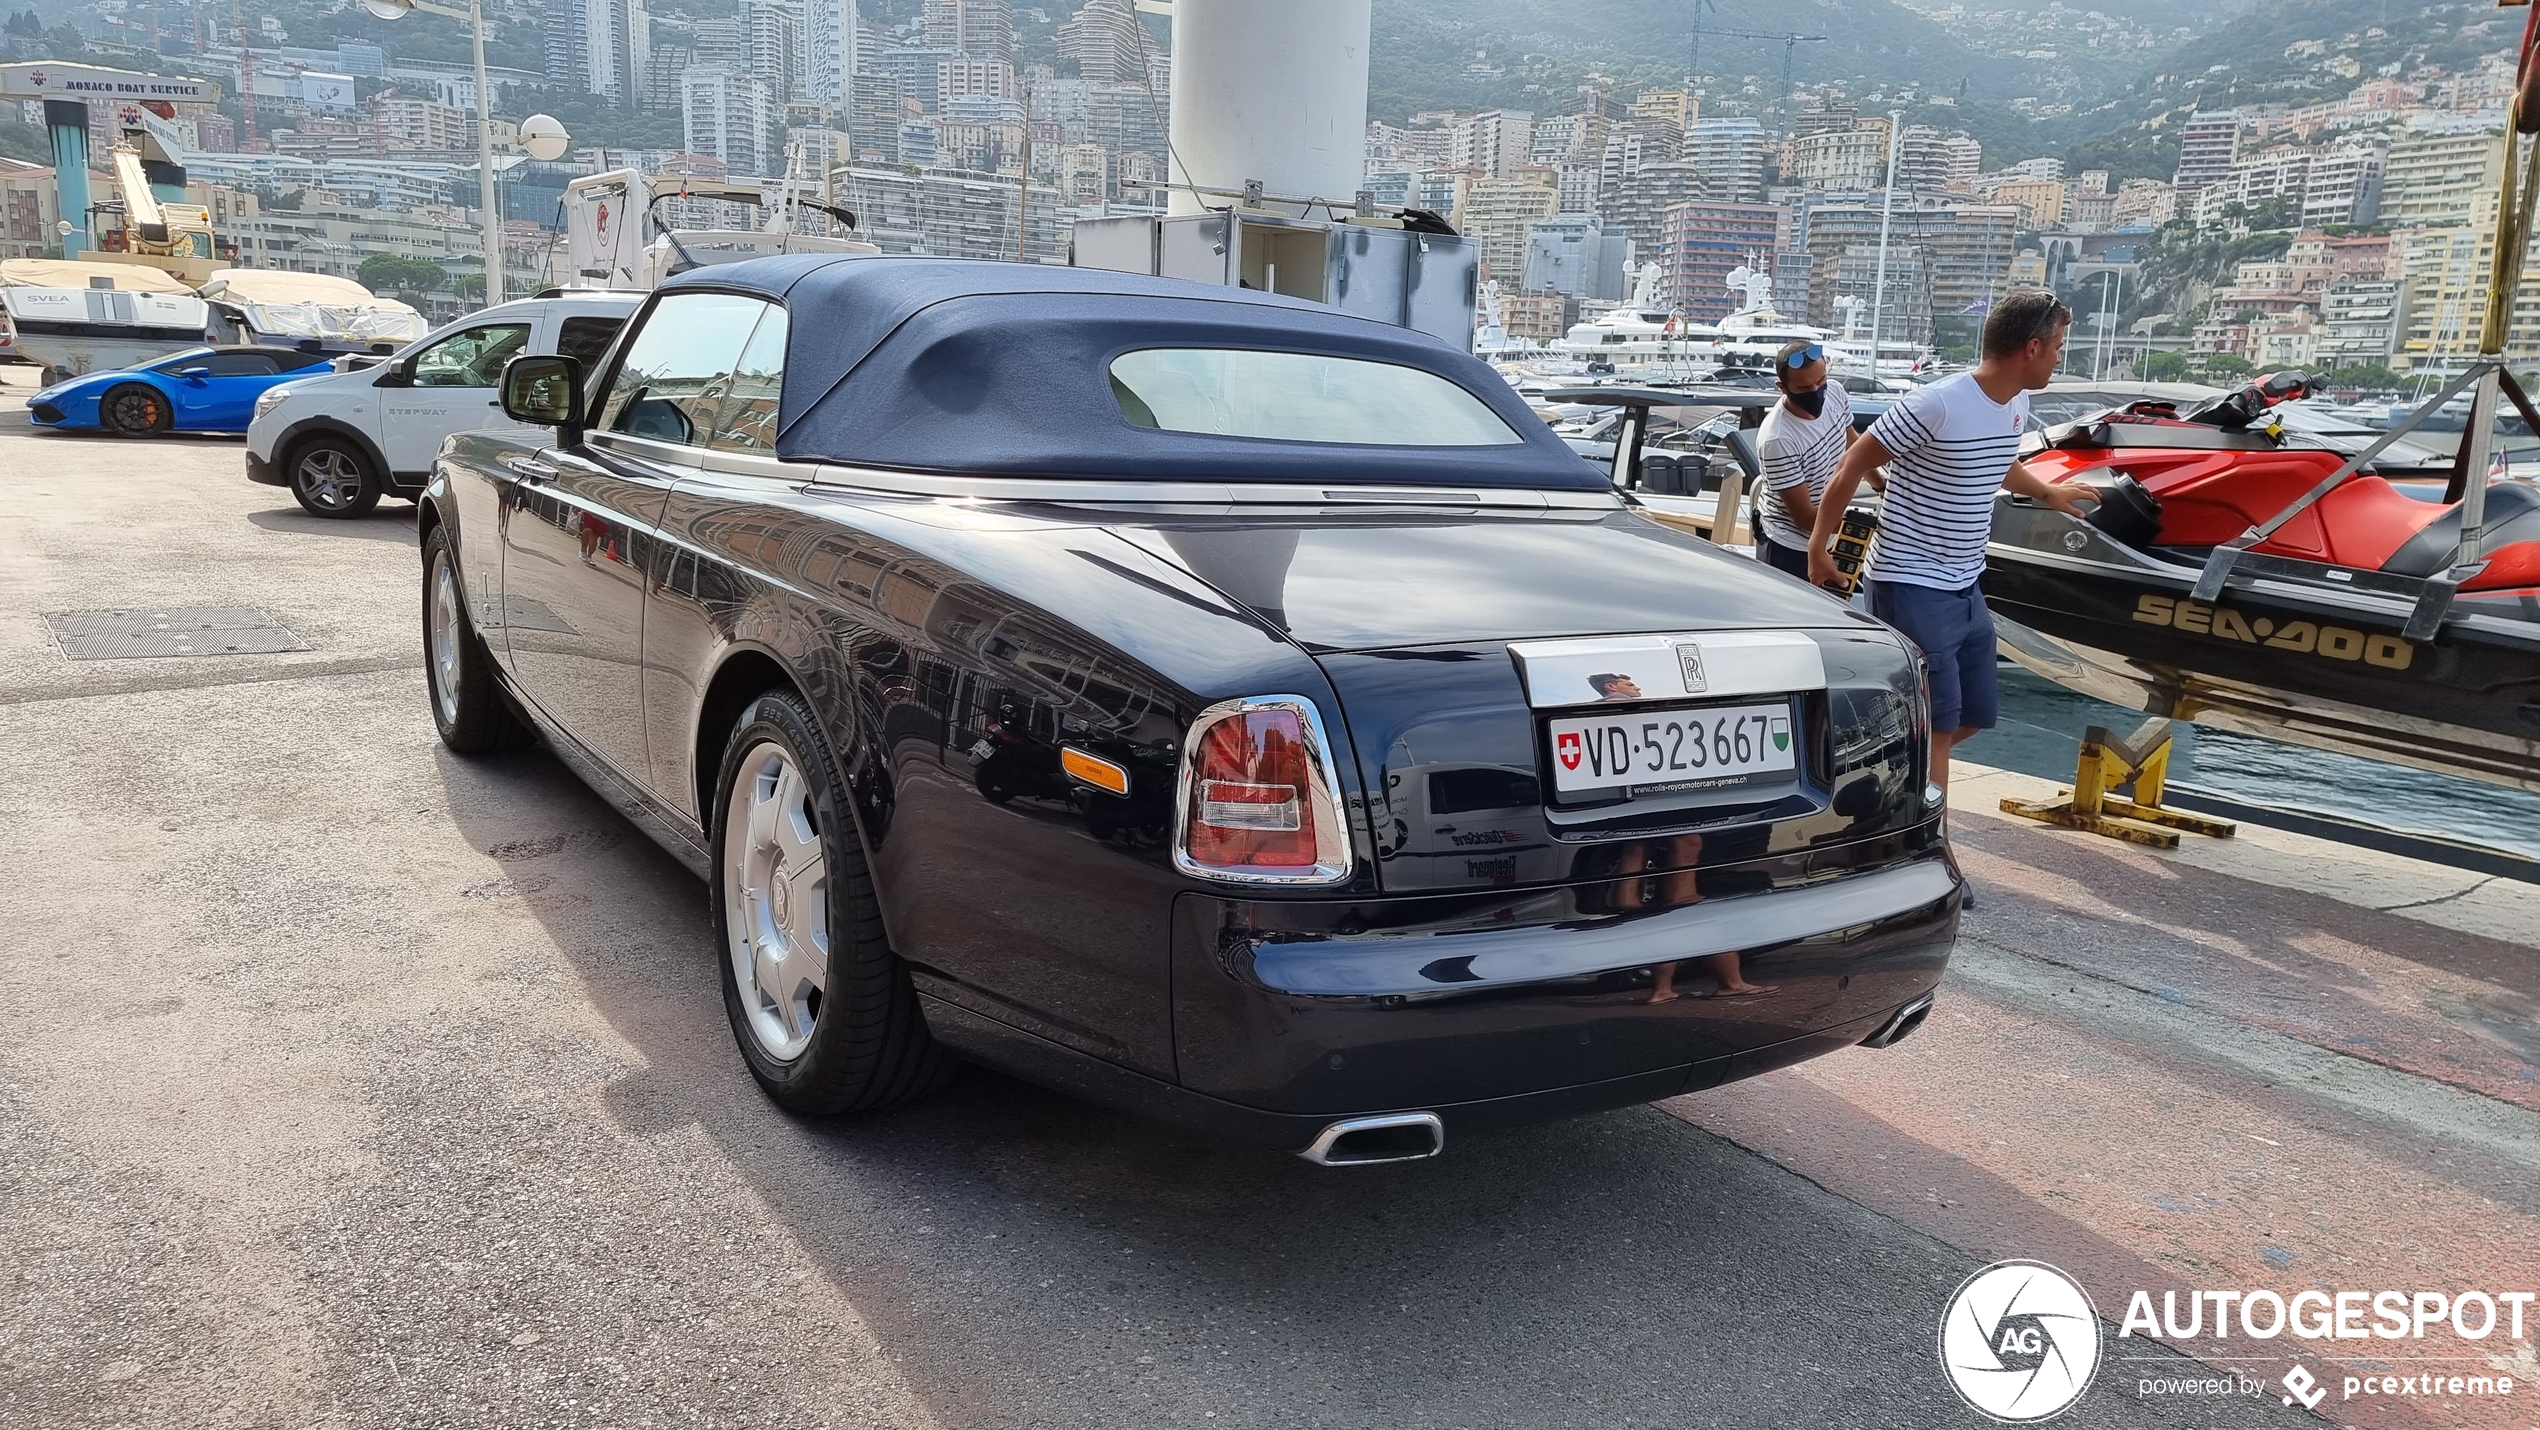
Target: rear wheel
<point x="133" y="410"/>
<point x="467" y="702"/>
<point x="333" y="478"/>
<point x="825" y="1012"/>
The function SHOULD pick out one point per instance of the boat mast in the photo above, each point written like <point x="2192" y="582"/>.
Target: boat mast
<point x="1887" y="214"/>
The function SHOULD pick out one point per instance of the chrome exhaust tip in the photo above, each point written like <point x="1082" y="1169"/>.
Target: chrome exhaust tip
<point x="1366" y="1141"/>
<point x="1902" y="1024"/>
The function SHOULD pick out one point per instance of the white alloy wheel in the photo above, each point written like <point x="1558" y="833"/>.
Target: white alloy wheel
<point x="776" y="900"/>
<point x="443" y="637"/>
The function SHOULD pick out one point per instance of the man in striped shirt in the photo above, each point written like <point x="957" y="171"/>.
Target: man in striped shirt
<point x="1802" y="439"/>
<point x="1947" y="448"/>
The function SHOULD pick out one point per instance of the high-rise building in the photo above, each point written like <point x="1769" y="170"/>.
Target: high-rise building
<point x="1729" y="155"/>
<point x="774" y="32"/>
<point x="1104" y="41"/>
<point x="1965" y="159"/>
<point x="1674" y="106"/>
<point x="731" y="116"/>
<point x="1825" y="115"/>
<point x="1967" y="248"/>
<point x="981" y="28"/>
<point x="2360" y="323"/>
<point x="911" y="71"/>
<point x="600" y="47"/>
<point x="2438" y="179"/>
<point x="1905" y="313"/>
<point x="830" y="35"/>
<point x="1501" y="213"/>
<point x="873" y="117"/>
<point x="2040" y="201"/>
<point x="963" y="76"/>
<point x="1493" y="142"/>
<point x="1084" y="172"/>
<point x="1573" y="253"/>
<point x="1839" y="160"/>
<point x="1638" y="206"/>
<point x="1702" y="241"/>
<point x="2208" y="145"/>
<point x="951" y="215"/>
<point x="1925" y="160"/>
<point x="2344" y="185"/>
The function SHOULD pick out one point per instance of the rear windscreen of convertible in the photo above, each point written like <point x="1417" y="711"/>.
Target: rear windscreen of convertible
<point x="1300" y="397"/>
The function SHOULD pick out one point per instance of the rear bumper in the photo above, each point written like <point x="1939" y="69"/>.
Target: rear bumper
<point x="1054" y="1065"/>
<point x="1511" y="1006"/>
<point x="1340" y="1007"/>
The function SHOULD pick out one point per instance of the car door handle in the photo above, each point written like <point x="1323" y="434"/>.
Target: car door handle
<point x="530" y="469"/>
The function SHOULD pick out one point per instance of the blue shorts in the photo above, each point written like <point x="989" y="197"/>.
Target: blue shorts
<point x="1954" y="630"/>
<point x="1789" y="560"/>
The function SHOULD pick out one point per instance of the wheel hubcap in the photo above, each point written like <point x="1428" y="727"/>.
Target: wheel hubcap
<point x="443" y="636"/>
<point x="330" y="478"/>
<point x="776" y="900"/>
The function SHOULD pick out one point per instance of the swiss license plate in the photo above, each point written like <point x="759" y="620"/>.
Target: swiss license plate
<point x="1656" y="749"/>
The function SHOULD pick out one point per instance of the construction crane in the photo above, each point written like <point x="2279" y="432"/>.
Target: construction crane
<point x="1790" y="49"/>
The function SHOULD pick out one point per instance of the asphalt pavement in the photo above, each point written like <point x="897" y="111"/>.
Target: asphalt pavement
<point x="344" y="1082"/>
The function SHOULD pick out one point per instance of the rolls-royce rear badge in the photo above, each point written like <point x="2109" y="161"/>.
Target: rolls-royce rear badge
<point x="1690" y="658"/>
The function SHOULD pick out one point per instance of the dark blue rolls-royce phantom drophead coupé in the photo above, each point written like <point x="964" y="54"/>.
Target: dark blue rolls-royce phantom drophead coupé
<point x="1202" y="701"/>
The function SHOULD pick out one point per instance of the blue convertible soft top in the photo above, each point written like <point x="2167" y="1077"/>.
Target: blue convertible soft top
<point x="947" y="365"/>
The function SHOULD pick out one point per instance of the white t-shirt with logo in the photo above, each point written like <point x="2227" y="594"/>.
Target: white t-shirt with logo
<point x="1952" y="446"/>
<point x="1800" y="452"/>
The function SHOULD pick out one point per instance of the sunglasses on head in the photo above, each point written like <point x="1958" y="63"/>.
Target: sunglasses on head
<point x="1805" y="356"/>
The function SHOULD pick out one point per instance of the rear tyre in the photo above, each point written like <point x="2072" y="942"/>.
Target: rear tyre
<point x="133" y="410"/>
<point x="467" y="701"/>
<point x="331" y="477"/>
<point x="824" y="1011"/>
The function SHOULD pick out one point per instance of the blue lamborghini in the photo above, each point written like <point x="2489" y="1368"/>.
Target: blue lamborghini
<point x="197" y="390"/>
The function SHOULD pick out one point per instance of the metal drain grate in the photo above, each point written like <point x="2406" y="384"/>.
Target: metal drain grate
<point x="190" y="630"/>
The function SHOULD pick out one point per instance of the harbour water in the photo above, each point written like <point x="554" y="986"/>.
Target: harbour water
<point x="2042" y="725"/>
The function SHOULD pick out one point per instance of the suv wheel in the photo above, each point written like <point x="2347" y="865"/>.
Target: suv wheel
<point x="333" y="478"/>
<point x="825" y="1013"/>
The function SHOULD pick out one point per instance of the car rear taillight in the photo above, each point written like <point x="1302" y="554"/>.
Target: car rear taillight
<point x="1259" y="800"/>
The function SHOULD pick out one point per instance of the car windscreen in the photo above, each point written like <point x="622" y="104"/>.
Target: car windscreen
<point x="1300" y="397"/>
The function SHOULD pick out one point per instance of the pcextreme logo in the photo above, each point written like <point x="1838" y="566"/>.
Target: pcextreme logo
<point x="2299" y="637"/>
<point x="2020" y="1341"/>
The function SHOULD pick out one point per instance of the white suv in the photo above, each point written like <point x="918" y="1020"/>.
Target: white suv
<point x="343" y="440"/>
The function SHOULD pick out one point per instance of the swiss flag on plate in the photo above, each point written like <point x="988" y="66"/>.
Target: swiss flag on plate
<point x="1568" y="748"/>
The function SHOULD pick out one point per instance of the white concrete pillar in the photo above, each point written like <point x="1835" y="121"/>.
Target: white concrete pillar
<point x="1269" y="91"/>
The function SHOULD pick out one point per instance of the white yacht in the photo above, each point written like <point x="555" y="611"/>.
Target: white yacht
<point x="1754" y="335"/>
<point x="1643" y="339"/>
<point x="1898" y="359"/>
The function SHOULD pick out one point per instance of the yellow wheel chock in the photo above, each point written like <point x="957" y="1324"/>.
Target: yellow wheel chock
<point x="2108" y="763"/>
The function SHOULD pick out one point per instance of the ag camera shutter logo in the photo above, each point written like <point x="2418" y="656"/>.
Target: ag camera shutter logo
<point x="2020" y="1341"/>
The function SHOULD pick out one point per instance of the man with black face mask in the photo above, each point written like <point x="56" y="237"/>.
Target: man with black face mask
<point x="1803" y="439"/>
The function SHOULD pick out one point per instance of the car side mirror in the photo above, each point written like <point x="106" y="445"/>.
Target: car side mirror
<point x="195" y="374"/>
<point x="395" y="374"/>
<point x="544" y="390"/>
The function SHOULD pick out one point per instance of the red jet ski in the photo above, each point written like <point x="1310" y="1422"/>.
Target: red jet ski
<point x="2341" y="615"/>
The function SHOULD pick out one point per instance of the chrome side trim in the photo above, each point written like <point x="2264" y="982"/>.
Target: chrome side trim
<point x="1325" y="1151"/>
<point x="1099" y="492"/>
